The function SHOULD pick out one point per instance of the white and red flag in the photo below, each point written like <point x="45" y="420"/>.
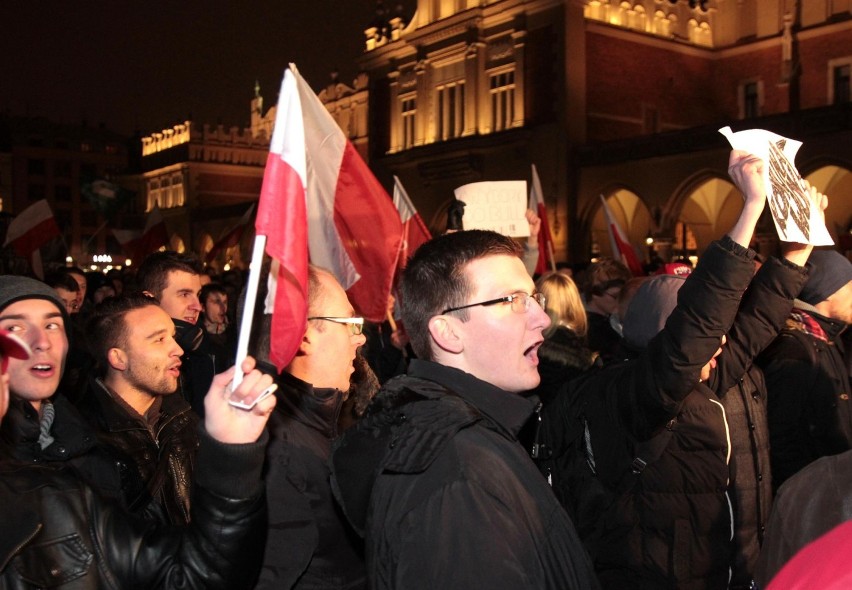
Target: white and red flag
<point x="414" y="231"/>
<point x="546" y="257"/>
<point x="233" y="236"/>
<point x="621" y="248"/>
<point x="353" y="228"/>
<point x="138" y="244"/>
<point x="282" y="220"/>
<point x="31" y="229"/>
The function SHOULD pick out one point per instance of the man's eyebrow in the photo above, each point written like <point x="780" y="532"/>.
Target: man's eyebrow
<point x="22" y="316"/>
<point x="156" y="333"/>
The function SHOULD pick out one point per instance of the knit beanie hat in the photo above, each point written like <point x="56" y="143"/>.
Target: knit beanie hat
<point x="829" y="271"/>
<point x="16" y="288"/>
<point x="650" y="308"/>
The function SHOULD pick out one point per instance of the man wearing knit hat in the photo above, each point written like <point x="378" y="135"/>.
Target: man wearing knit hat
<point x="810" y="411"/>
<point x="42" y="426"/>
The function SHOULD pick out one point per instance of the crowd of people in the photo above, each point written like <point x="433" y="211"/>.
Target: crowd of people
<point x="687" y="430"/>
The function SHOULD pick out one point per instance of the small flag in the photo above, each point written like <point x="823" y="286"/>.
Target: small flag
<point x="414" y="231"/>
<point x="232" y="237"/>
<point x="138" y="244"/>
<point x="621" y="248"/>
<point x="32" y="228"/>
<point x="546" y="258"/>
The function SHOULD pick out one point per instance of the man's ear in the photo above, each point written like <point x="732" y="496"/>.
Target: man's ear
<point x="117" y="359"/>
<point x="446" y="334"/>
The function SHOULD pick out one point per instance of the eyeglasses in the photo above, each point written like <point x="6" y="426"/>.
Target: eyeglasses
<point x="356" y="325"/>
<point x="520" y="302"/>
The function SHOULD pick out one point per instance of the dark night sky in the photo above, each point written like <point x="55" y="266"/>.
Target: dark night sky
<point x="136" y="65"/>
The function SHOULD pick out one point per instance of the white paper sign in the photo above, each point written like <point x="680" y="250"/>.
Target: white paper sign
<point x="796" y="217"/>
<point x="500" y="206"/>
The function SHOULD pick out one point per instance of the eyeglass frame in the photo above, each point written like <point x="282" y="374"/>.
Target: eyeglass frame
<point x="357" y="324"/>
<point x="538" y="297"/>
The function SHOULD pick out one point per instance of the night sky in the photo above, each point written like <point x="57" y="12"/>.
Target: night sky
<point x="137" y="65"/>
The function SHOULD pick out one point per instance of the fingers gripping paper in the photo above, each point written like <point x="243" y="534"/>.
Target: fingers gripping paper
<point x="796" y="217"/>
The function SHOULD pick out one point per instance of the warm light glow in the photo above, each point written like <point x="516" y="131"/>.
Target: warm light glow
<point x="128" y="262"/>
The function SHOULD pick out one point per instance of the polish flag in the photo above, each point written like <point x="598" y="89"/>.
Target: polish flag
<point x="546" y="257"/>
<point x="232" y="237"/>
<point x="31" y="229"/>
<point x="621" y="248"/>
<point x="138" y="244"/>
<point x="282" y="220"/>
<point x="353" y="228"/>
<point x="414" y="231"/>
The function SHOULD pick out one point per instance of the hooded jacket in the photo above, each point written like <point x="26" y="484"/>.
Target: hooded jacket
<point x="434" y="478"/>
<point x="667" y="522"/>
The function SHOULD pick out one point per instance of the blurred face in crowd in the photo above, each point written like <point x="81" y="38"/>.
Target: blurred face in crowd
<point x="148" y="360"/>
<point x="499" y="344"/>
<point x="180" y="297"/>
<point x="39" y="323"/>
<point x="216" y="308"/>
<point x="70" y="298"/>
<point x="334" y="341"/>
<point x="81" y="282"/>
<point x="607" y="302"/>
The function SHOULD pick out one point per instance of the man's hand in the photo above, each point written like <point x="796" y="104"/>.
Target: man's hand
<point x="232" y="425"/>
<point x="799" y="253"/>
<point x="535" y="227"/>
<point x="746" y="170"/>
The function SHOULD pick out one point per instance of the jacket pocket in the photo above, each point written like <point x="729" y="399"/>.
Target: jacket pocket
<point x="54" y="562"/>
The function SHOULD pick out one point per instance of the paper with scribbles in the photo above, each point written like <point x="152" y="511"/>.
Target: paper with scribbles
<point x="796" y="218"/>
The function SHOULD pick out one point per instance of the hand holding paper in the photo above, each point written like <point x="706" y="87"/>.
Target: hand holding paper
<point x="796" y="217"/>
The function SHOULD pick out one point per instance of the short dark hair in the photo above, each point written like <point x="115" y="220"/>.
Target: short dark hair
<point x="106" y="327"/>
<point x="435" y="279"/>
<point x="210" y="288"/>
<point x="153" y="273"/>
<point x="62" y="279"/>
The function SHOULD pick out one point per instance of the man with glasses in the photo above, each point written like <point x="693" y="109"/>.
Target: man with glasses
<point x="433" y="476"/>
<point x="310" y="544"/>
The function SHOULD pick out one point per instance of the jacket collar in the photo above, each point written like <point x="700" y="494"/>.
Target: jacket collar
<point x="508" y="411"/>
<point x="20" y="432"/>
<point x="318" y="408"/>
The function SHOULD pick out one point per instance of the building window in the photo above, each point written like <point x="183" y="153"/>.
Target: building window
<point x="450" y="110"/>
<point x="409" y="116"/>
<point x="502" y="90"/>
<point x="842" y="83"/>
<point x="750" y="99"/>
<point x="62" y="169"/>
<point x="35" y="192"/>
<point x="35" y="167"/>
<point x="62" y="193"/>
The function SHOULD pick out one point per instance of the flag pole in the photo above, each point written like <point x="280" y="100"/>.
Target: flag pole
<point x="248" y="310"/>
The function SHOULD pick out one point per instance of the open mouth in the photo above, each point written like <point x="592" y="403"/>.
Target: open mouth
<point x="42" y="369"/>
<point x="532" y="352"/>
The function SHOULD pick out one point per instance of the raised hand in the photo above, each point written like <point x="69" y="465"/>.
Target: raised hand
<point x="229" y="424"/>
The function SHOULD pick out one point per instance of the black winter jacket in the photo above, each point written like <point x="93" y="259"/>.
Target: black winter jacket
<point x="156" y="467"/>
<point x="434" y="477"/>
<point x="810" y="410"/>
<point x="74" y="444"/>
<point x="668" y="524"/>
<point x="310" y="543"/>
<point x="58" y="533"/>
<point x="751" y="476"/>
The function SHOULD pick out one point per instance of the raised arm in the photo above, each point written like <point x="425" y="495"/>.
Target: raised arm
<point x="746" y="170"/>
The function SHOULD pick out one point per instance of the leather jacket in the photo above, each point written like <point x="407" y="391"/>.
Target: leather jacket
<point x="59" y="533"/>
<point x="157" y="465"/>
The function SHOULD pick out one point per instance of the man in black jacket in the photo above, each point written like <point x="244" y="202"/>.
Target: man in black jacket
<point x="650" y="495"/>
<point x="133" y="406"/>
<point x="310" y="544"/>
<point x="807" y="379"/>
<point x="433" y="475"/>
<point x="58" y="532"/>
